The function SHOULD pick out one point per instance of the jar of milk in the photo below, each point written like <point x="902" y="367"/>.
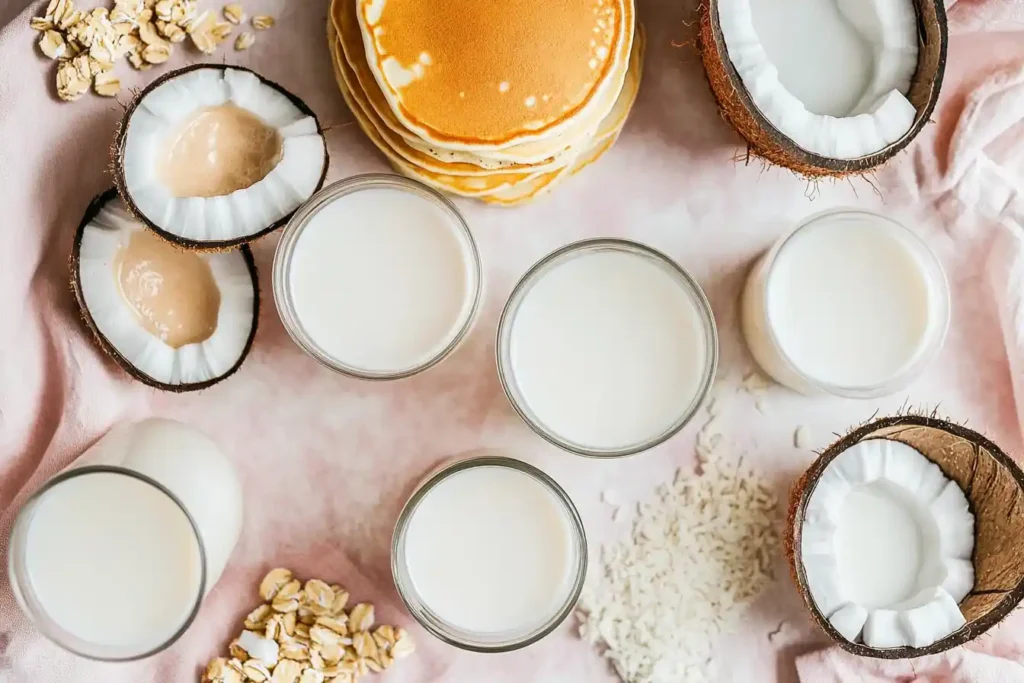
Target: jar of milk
<point x="112" y="557"/>
<point x="849" y="303"/>
<point x="489" y="554"/>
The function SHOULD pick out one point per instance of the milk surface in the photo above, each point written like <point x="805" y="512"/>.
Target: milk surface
<point x="113" y="561"/>
<point x="491" y="550"/>
<point x="382" y="280"/>
<point x="850" y="302"/>
<point x="608" y="349"/>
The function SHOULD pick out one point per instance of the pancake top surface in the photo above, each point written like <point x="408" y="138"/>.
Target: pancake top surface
<point x="474" y="72"/>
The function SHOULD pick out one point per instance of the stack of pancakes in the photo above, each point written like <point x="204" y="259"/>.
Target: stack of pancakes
<point x="495" y="100"/>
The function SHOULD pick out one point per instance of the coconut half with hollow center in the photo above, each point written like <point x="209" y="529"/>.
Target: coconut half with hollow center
<point x="212" y="157"/>
<point x="174" y="319"/>
<point x="903" y="537"/>
<point x="825" y="87"/>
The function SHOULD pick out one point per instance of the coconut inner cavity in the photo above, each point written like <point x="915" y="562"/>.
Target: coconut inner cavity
<point x="880" y="570"/>
<point x="820" y="56"/>
<point x="886" y="545"/>
<point x="217" y="151"/>
<point x="172" y="292"/>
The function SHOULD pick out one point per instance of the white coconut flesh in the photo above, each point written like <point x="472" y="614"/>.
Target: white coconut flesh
<point x="129" y="318"/>
<point x="161" y="120"/>
<point x="886" y="546"/>
<point x="830" y="75"/>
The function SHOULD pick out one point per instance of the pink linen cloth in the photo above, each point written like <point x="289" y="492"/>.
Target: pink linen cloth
<point x="326" y="462"/>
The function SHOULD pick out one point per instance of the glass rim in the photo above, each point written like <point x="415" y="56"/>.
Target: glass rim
<point x="934" y="272"/>
<point x="18" y="589"/>
<point x="506" y="373"/>
<point x="579" y="541"/>
<point x="297" y="223"/>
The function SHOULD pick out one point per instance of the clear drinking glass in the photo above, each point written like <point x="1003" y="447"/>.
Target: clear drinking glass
<point x="293" y="232"/>
<point x="487" y="642"/>
<point x="708" y="334"/>
<point x="178" y="470"/>
<point x="759" y="328"/>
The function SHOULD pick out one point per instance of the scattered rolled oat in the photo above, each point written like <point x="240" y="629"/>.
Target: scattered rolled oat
<point x="302" y="634"/>
<point x="106" y="84"/>
<point x="52" y="44"/>
<point x="234" y="13"/>
<point x="244" y="41"/>
<point x="70" y="83"/>
<point x="157" y="53"/>
<point x="262" y="22"/>
<point x="141" y="31"/>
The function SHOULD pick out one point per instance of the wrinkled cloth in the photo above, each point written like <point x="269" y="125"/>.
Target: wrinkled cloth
<point x="326" y="462"/>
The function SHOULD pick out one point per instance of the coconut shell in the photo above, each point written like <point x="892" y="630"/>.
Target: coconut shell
<point x="108" y="348"/>
<point x="994" y="486"/>
<point x="766" y="141"/>
<point x="121" y="137"/>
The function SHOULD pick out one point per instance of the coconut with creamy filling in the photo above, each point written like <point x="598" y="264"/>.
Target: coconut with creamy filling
<point x="886" y="546"/>
<point x="174" y="319"/>
<point x="212" y="156"/>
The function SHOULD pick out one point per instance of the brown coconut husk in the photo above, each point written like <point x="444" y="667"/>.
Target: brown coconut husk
<point x="108" y="348"/>
<point x="764" y="140"/>
<point x="121" y="137"/>
<point x="994" y="486"/>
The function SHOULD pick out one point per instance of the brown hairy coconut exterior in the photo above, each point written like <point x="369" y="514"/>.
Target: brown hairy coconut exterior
<point x="121" y="137"/>
<point x="994" y="486"/>
<point x="766" y="141"/>
<point x="93" y="209"/>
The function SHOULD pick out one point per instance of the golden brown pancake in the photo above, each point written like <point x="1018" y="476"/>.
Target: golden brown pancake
<point x="552" y="153"/>
<point x="490" y="75"/>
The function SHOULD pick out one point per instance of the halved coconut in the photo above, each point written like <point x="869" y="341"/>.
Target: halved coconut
<point x="174" y="319"/>
<point x="822" y="131"/>
<point x="211" y="156"/>
<point x="904" y="537"/>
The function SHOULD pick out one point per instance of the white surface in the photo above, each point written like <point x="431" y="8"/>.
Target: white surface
<point x="490" y="550"/>
<point x="113" y="561"/>
<point x="849" y="302"/>
<point x="608" y="349"/>
<point x="885" y="544"/>
<point x="382" y="280"/>
<point x="879" y="545"/>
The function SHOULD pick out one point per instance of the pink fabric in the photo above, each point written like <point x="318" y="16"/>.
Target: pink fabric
<point x="326" y="461"/>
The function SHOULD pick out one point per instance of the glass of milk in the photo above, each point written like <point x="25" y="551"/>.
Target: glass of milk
<point x="111" y="558"/>
<point x="607" y="347"/>
<point x="489" y="554"/>
<point x="377" y="277"/>
<point x="850" y="303"/>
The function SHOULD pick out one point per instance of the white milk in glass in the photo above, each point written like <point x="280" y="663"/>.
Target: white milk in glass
<point x="607" y="348"/>
<point x="382" y="278"/>
<point x="105" y="562"/>
<point x="851" y="303"/>
<point x="492" y="552"/>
